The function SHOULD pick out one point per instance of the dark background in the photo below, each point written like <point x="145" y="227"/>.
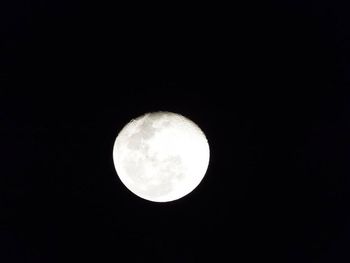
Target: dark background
<point x="267" y="82"/>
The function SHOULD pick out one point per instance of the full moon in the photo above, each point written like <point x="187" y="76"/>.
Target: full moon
<point x="161" y="156"/>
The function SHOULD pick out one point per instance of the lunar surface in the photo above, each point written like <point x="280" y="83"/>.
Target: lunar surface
<point x="161" y="156"/>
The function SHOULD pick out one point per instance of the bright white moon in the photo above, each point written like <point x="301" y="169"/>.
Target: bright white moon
<point x="161" y="156"/>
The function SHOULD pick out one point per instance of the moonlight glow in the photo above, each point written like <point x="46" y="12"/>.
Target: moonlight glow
<point x="161" y="156"/>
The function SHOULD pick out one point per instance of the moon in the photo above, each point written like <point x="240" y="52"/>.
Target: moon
<point x="161" y="156"/>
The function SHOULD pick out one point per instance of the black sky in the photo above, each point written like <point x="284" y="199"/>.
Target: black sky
<point x="266" y="82"/>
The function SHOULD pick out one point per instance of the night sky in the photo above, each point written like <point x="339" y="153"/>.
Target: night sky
<point x="266" y="81"/>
